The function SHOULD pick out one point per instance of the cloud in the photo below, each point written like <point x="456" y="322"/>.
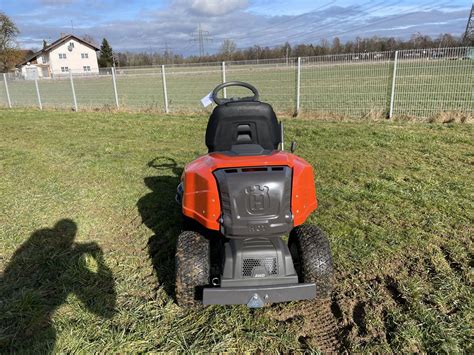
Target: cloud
<point x="129" y="25"/>
<point x="56" y="2"/>
<point x="216" y="7"/>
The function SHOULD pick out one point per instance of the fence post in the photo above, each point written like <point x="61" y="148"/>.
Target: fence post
<point x="224" y="79"/>
<point x="38" y="94"/>
<point x="394" y="76"/>
<point x="115" y="88"/>
<point x="6" y="90"/>
<point x="282" y="133"/>
<point x="73" y="91"/>
<point x="298" y="87"/>
<point x="165" y="90"/>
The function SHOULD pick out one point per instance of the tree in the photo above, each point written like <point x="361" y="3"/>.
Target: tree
<point x="227" y="49"/>
<point x="89" y="39"/>
<point x="336" y="46"/>
<point x="106" y="55"/>
<point x="286" y="51"/>
<point x="9" y="53"/>
<point x="448" y="40"/>
<point x="324" y="44"/>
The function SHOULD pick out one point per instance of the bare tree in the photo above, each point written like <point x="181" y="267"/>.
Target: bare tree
<point x="228" y="49"/>
<point x="336" y="46"/>
<point x="90" y="39"/>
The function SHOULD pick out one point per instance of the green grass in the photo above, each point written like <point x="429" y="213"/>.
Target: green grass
<point x="423" y="87"/>
<point x="395" y="199"/>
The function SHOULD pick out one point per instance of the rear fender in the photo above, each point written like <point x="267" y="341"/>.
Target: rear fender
<point x="201" y="199"/>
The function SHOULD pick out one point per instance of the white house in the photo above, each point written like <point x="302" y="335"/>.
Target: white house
<point x="69" y="53"/>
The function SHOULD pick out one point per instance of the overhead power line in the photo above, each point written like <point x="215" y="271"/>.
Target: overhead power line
<point x="377" y="6"/>
<point x="278" y="24"/>
<point x="399" y="16"/>
<point x="309" y="36"/>
<point x="285" y="37"/>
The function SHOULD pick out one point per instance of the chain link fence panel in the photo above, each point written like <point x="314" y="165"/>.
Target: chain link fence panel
<point x="429" y="81"/>
<point x="420" y="83"/>
<point x="94" y="91"/>
<point x="348" y="84"/>
<point x="56" y="93"/>
<point x="22" y="92"/>
<point x="188" y="84"/>
<point x="275" y="80"/>
<point x="140" y="88"/>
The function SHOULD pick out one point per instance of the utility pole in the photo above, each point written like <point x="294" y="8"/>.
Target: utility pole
<point x="468" y="37"/>
<point x="201" y="36"/>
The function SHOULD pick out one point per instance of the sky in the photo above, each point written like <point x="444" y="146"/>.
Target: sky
<point x="147" y="25"/>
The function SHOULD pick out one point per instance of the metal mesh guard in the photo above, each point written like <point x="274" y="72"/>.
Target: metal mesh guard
<point x="270" y="265"/>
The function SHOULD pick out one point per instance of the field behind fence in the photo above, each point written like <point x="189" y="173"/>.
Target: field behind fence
<point x="420" y="83"/>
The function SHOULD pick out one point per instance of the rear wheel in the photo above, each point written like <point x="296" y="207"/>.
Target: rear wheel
<point x="192" y="268"/>
<point x="312" y="258"/>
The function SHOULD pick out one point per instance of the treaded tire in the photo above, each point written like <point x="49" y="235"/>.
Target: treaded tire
<point x="192" y="268"/>
<point x="312" y="257"/>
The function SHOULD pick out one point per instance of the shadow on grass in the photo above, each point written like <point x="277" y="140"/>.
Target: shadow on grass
<point x="41" y="274"/>
<point x="161" y="214"/>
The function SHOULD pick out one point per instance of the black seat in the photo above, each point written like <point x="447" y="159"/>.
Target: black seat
<point x="243" y="123"/>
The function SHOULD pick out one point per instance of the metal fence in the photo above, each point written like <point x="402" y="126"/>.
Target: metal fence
<point x="407" y="82"/>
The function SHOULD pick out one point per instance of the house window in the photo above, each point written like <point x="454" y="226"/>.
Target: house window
<point x="64" y="69"/>
<point x="62" y="55"/>
<point x="84" y="55"/>
<point x="86" y="68"/>
<point x="71" y="44"/>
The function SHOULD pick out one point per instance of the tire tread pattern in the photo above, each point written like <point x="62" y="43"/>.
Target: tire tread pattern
<point x="192" y="267"/>
<point x="315" y="257"/>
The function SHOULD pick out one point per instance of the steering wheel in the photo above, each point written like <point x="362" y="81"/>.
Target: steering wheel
<point x="223" y="101"/>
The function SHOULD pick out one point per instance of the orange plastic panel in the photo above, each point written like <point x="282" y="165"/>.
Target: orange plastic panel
<point x="201" y="196"/>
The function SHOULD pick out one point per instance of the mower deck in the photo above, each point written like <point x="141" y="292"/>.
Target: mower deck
<point x="258" y="296"/>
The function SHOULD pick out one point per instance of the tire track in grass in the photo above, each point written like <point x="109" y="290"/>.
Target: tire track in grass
<point x="315" y="321"/>
<point x="345" y="322"/>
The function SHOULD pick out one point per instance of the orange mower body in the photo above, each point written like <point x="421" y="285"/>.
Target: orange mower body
<point x="201" y="200"/>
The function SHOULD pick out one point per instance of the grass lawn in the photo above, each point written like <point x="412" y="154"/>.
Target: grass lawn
<point x="88" y="225"/>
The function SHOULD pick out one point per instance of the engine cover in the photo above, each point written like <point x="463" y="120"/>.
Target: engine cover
<point x="255" y="201"/>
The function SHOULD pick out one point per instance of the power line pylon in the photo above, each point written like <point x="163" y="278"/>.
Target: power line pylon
<point x="201" y="36"/>
<point x="468" y="38"/>
<point x="167" y="53"/>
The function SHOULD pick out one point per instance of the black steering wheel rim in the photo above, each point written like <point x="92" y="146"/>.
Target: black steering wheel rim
<point x="222" y="101"/>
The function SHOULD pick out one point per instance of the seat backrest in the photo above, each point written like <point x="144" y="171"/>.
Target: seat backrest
<point x="242" y="122"/>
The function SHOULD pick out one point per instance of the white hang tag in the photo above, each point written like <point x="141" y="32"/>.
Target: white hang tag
<point x="207" y="100"/>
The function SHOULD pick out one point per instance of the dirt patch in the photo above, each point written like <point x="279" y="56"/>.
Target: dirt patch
<point x="358" y="315"/>
<point x="392" y="287"/>
<point x="453" y="264"/>
<point x="316" y="324"/>
<point x="362" y="311"/>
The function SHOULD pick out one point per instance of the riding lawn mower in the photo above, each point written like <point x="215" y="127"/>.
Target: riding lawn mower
<point x="239" y="203"/>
